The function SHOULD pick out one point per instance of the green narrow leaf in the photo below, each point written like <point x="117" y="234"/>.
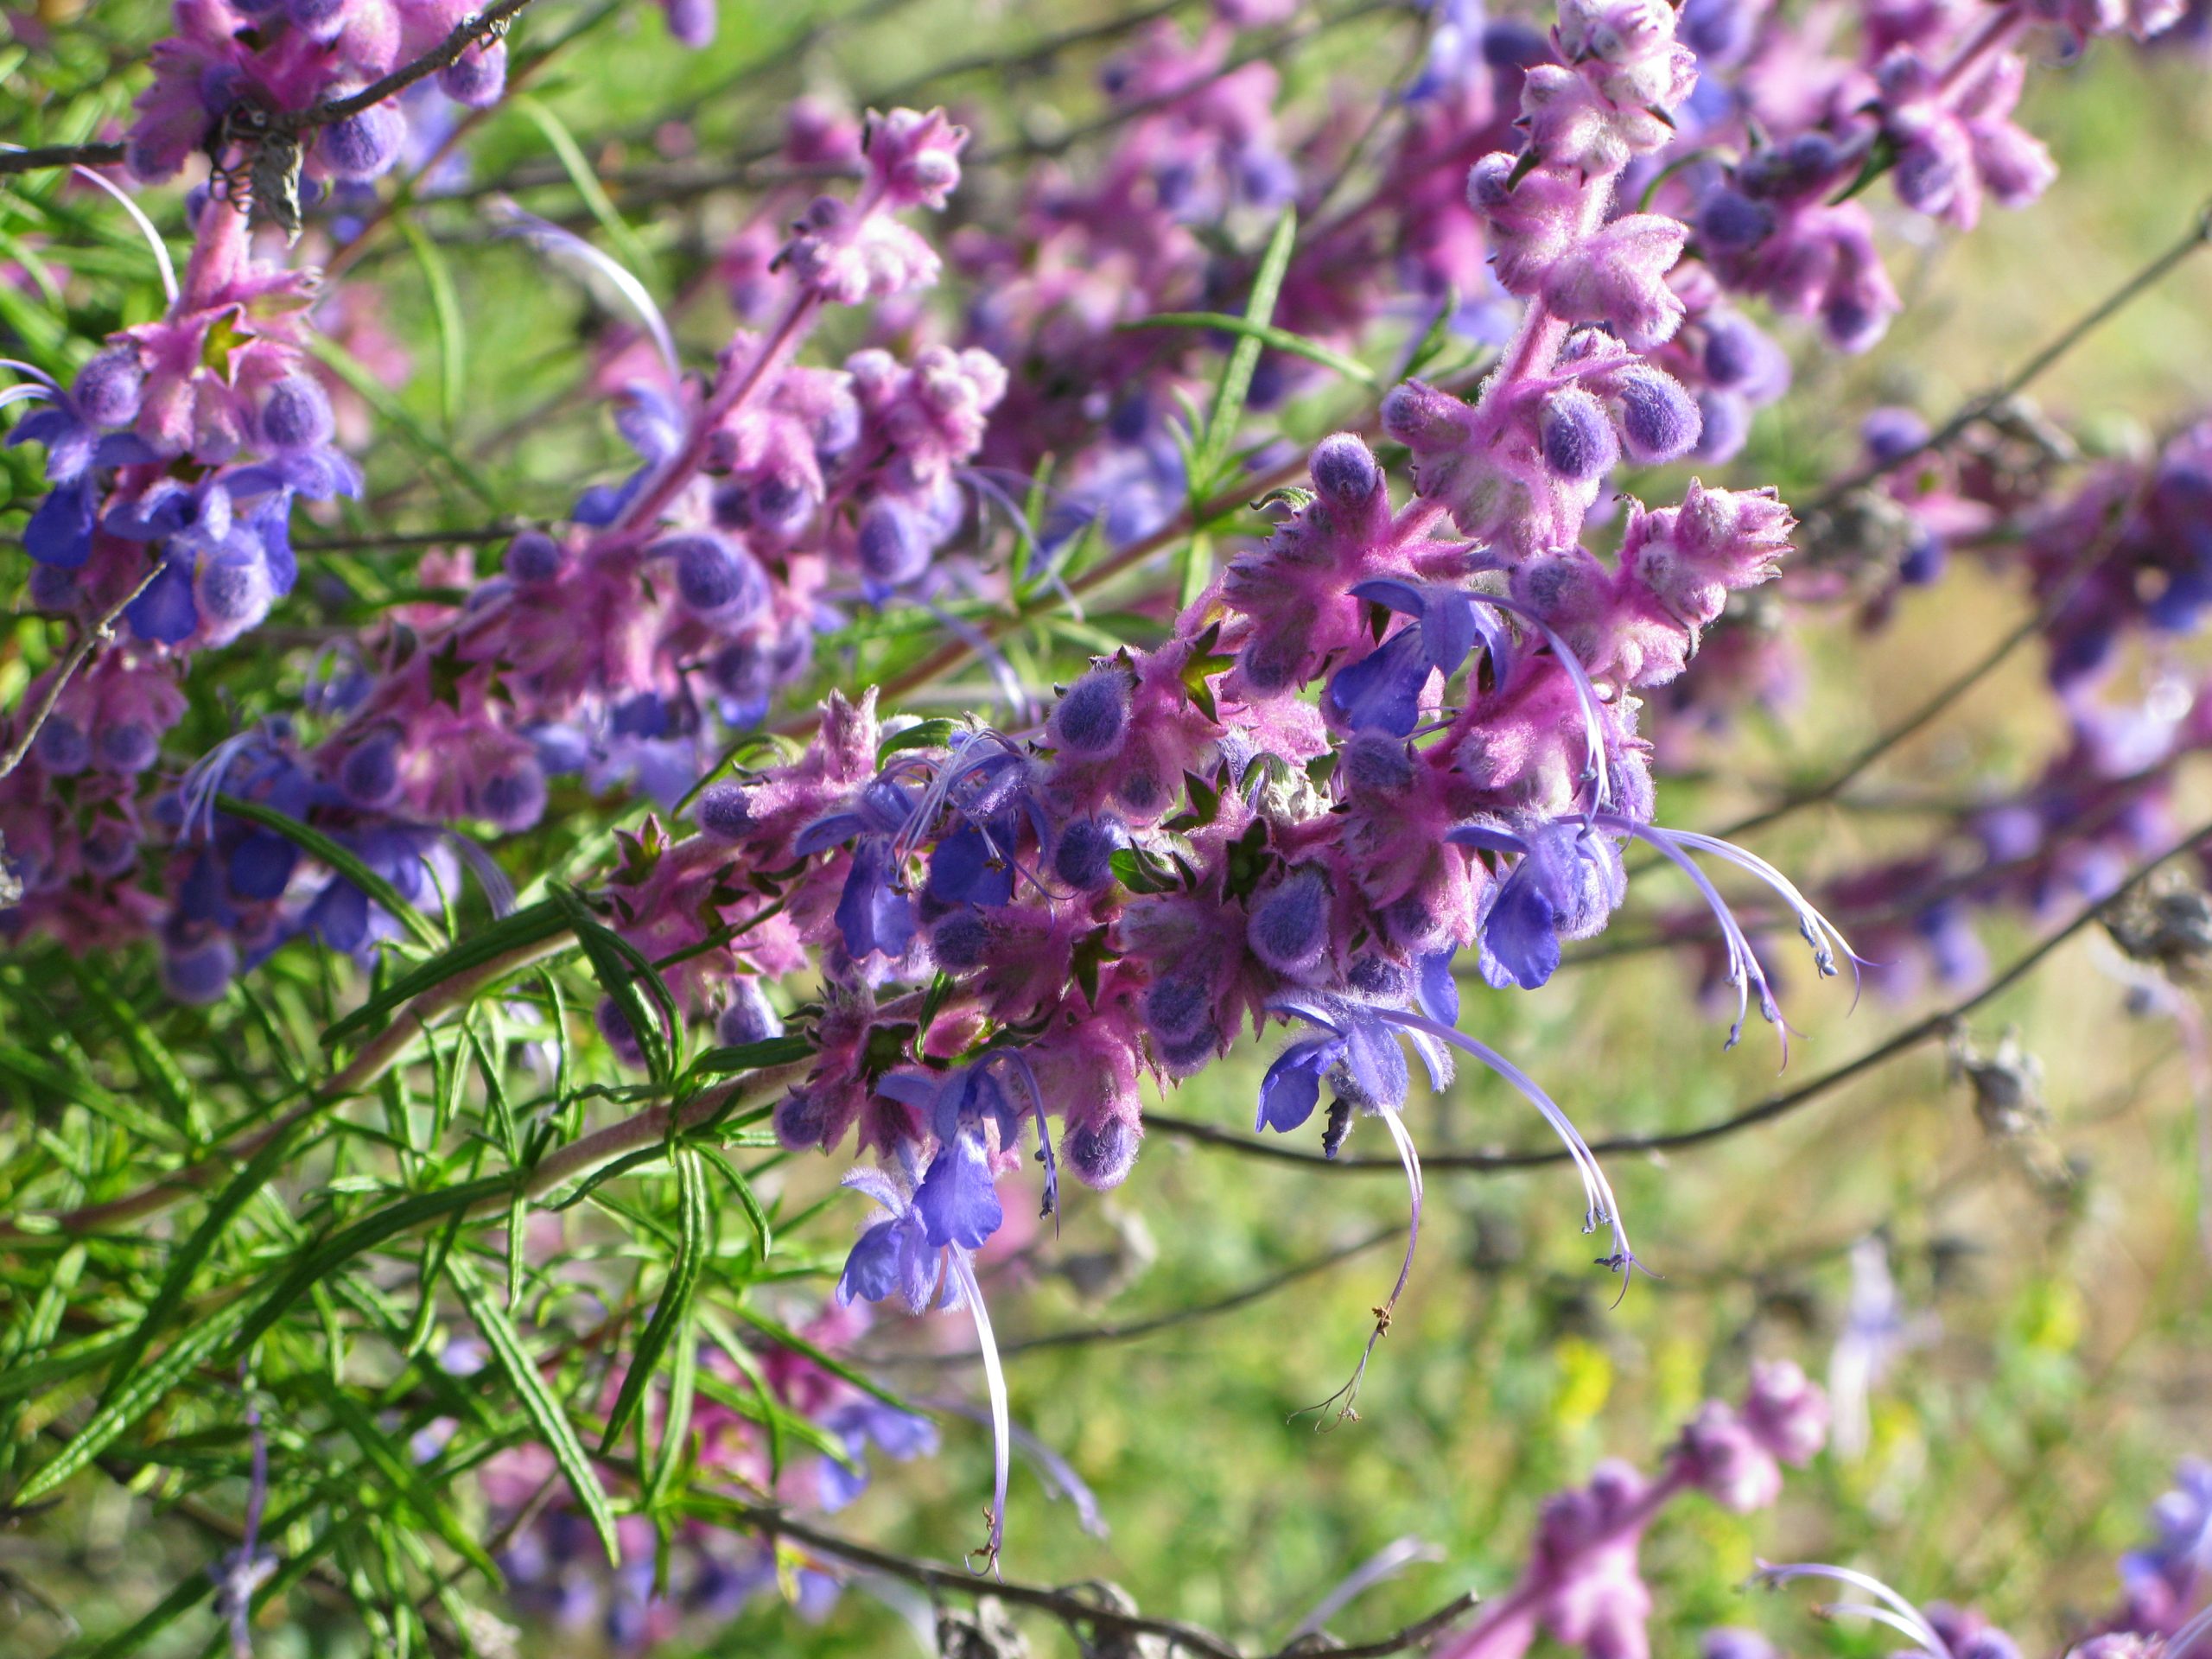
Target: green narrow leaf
<point x="72" y="1084"/>
<point x="158" y="1072"/>
<point x="537" y="1402"/>
<point x="260" y="1170"/>
<point x="672" y="1316"/>
<point x="318" y="1259"/>
<point x="532" y="925"/>
<point x="923" y="735"/>
<point x="627" y="977"/>
<point x="1437" y="336"/>
<point x="1236" y="383"/>
<point x="379" y="397"/>
<point x="315" y="844"/>
<point x="1281" y="339"/>
<point x="435" y="1256"/>
<point x="747" y="1056"/>
<point x="400" y="1473"/>
<point x="445" y="307"/>
<point x="145" y="1389"/>
<point x="32" y="1331"/>
<point x="746" y="1197"/>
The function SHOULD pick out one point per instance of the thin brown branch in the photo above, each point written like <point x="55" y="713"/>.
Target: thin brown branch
<point x="45" y="156"/>
<point x="1948" y="697"/>
<point x="1078" y="1606"/>
<point x="1932" y="1028"/>
<point x="1978" y="409"/>
<point x="89" y="641"/>
<point x="486" y="25"/>
<point x="374" y="1058"/>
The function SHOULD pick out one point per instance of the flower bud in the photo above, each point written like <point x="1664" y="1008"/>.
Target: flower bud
<point x="1787" y="1412"/>
<point x="691" y="22"/>
<point x="1093" y="716"/>
<point x="1728" y="1461"/>
<point x="961" y="942"/>
<point x="1577" y="440"/>
<point x="127" y="745"/>
<point x="1083" y="858"/>
<point x="364" y="146"/>
<point x="369" y="775"/>
<point x="614" y="1025"/>
<point x="1101" y="1152"/>
<point x="892" y="546"/>
<point x="1421" y="417"/>
<point x="296" y="415"/>
<point x="107" y="388"/>
<point x="532" y="557"/>
<point x="724" y="811"/>
<point x="1289" y="928"/>
<point x="261" y="866"/>
<point x="1728" y="222"/>
<point x="1659" y="419"/>
<point x="750" y="1017"/>
<point x="514" y="798"/>
<point x="714" y="577"/>
<point x="234" y="593"/>
<point x="201" y="973"/>
<point x="61" y="746"/>
<point x="1345" y="470"/>
<point x="478" y="77"/>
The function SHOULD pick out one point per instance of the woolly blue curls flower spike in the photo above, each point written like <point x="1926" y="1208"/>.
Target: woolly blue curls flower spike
<point x="895" y="1255"/>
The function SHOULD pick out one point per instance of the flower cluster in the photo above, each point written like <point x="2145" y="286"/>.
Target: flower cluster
<point x="1583" y="1587"/>
<point x="1372" y="767"/>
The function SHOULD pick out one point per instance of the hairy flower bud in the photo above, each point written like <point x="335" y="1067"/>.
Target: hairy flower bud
<point x="532" y="557"/>
<point x="1093" y="717"/>
<point x="1659" y="420"/>
<point x="724" y="811"/>
<point x="749" y="1017"/>
<point x="1289" y="927"/>
<point x="363" y="146"/>
<point x="296" y="415"/>
<point x="1578" y="439"/>
<point x="107" y="388"/>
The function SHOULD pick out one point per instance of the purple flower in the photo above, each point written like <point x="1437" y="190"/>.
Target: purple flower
<point x="875" y="913"/>
<point x="958" y="1198"/>
<point x="1382" y="690"/>
<point x="1565" y="884"/>
<point x="899" y="1434"/>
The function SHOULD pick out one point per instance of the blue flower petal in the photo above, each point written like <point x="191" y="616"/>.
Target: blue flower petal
<point x="1382" y="691"/>
<point x="1292" y="1086"/>
<point x="166" y="612"/>
<point x="957" y="1201"/>
<point x="60" y="532"/>
<point x="872" y="913"/>
<point x="872" y="1271"/>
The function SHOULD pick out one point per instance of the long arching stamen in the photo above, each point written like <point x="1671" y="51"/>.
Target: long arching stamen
<point x="1593" y="709"/>
<point x="1601" y="1206"/>
<point x="1745" y="970"/>
<point x="550" y="238"/>
<point x="964" y="1274"/>
<point x="1917" y="1625"/>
